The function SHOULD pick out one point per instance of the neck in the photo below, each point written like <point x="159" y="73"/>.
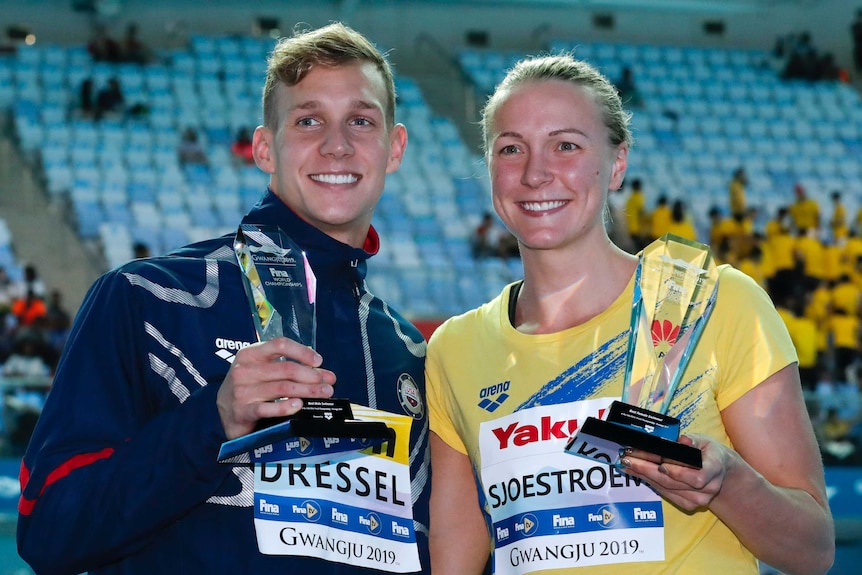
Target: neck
<point x="562" y="291"/>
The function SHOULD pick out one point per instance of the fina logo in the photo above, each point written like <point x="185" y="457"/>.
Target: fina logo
<point x="604" y="516"/>
<point x="311" y="511"/>
<point x="528" y="525"/>
<point x="493" y="396"/>
<point x="371" y="522"/>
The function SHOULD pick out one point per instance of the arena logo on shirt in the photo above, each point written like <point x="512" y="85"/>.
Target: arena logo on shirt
<point x="493" y="396"/>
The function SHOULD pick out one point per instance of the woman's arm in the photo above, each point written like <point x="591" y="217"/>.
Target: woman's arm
<point x="769" y="490"/>
<point x="459" y="540"/>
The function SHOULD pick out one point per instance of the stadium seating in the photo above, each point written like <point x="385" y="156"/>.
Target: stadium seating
<point x="706" y="111"/>
<point x="709" y="110"/>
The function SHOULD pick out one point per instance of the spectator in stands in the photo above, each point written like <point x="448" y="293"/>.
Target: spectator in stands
<point x="804" y="211"/>
<point x="241" y="148"/>
<point x="555" y="128"/>
<point x="190" y="150"/>
<point x="110" y="100"/>
<point x="661" y="218"/>
<point x="133" y="49"/>
<point x="809" y="254"/>
<point x="736" y="192"/>
<point x="844" y="331"/>
<point x="25" y="360"/>
<point x="806" y="339"/>
<point x="32" y="282"/>
<point x="7" y="293"/>
<point x="754" y="267"/>
<point x="28" y="309"/>
<point x="483" y="242"/>
<point x="838" y="221"/>
<point x="856" y="35"/>
<point x="628" y="90"/>
<point x="637" y="219"/>
<point x="140" y="250"/>
<point x="57" y="322"/>
<point x="164" y="365"/>
<point x="103" y="47"/>
<point x="86" y="99"/>
<point x="680" y="222"/>
<point x="802" y="59"/>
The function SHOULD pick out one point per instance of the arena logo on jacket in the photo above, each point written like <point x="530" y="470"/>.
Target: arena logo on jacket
<point x="226" y="348"/>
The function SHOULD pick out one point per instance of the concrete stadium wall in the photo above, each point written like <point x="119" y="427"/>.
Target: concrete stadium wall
<point x="509" y="24"/>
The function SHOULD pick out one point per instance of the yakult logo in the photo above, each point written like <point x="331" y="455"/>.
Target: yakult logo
<point x="549" y="429"/>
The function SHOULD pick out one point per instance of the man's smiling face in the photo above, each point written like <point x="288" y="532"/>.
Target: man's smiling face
<point x="330" y="155"/>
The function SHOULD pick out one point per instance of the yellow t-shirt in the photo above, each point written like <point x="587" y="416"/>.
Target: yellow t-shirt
<point x="480" y="370"/>
<point x="781" y="248"/>
<point x="844" y="330"/>
<point x="811" y="251"/>
<point x="805" y="214"/>
<point x="683" y="229"/>
<point x="846" y="296"/>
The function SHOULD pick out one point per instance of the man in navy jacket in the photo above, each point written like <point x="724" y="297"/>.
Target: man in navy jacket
<point x="163" y="364"/>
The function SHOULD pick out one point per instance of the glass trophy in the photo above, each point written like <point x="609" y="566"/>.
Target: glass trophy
<point x="675" y="288"/>
<point x="281" y="289"/>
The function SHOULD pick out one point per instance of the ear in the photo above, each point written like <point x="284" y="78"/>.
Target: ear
<point x="263" y="149"/>
<point x="618" y="172"/>
<point x="397" y="145"/>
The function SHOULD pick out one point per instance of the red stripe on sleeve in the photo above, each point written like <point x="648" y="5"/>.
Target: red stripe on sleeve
<point x="25" y="506"/>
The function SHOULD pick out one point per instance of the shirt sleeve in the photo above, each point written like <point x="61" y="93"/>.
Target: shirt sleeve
<point x="750" y="338"/>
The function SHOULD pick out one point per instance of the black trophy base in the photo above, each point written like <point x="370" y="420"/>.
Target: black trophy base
<point x="318" y="418"/>
<point x="624" y="436"/>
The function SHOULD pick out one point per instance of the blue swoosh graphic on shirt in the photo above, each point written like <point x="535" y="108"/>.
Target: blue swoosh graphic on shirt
<point x="586" y="378"/>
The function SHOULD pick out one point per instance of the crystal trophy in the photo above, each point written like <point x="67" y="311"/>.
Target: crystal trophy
<point x="675" y="288"/>
<point x="281" y="289"/>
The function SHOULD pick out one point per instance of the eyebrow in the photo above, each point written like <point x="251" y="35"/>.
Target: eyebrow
<point x="354" y="105"/>
<point x="513" y="134"/>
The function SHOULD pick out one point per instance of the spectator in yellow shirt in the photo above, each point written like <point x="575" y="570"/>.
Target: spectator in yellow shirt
<point x="661" y="218"/>
<point x="680" y="223"/>
<point x="844" y="331"/>
<point x="838" y="221"/>
<point x="636" y="216"/>
<point x="736" y="192"/>
<point x="804" y="211"/>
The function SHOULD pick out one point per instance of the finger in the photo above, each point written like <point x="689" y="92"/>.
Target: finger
<point x="278" y="348"/>
<point x="280" y="390"/>
<point x="641" y="454"/>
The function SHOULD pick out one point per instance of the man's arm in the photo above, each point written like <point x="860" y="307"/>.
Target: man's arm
<point x="111" y="464"/>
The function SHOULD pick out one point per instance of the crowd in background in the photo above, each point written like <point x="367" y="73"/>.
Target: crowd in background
<point x="35" y="324"/>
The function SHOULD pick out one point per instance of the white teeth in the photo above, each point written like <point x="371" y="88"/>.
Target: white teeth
<point x="542" y="206"/>
<point x="334" y="178"/>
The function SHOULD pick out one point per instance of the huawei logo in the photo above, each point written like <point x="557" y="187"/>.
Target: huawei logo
<point x="664" y="335"/>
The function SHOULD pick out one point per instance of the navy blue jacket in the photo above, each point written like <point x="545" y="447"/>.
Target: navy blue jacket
<point x="121" y="473"/>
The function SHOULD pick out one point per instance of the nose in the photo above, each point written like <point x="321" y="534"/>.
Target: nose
<point x="536" y="171"/>
<point x="336" y="143"/>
